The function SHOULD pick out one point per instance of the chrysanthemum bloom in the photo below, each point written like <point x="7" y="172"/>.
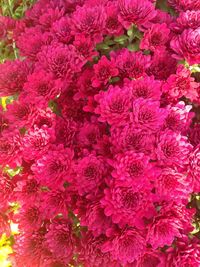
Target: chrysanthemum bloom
<point x="30" y="217"/>
<point x="104" y="70"/>
<point x="92" y="216"/>
<point x="28" y="189"/>
<point x="183" y="5"/>
<point x="129" y="138"/>
<point x="181" y="84"/>
<point x="54" y="167"/>
<point x="89" y="20"/>
<point x="173" y="149"/>
<point x="59" y="239"/>
<point x="36" y="39"/>
<point x="136" y="12"/>
<point x="148" y="115"/>
<point x="114" y="105"/>
<point x="13" y="75"/>
<point x="179" y="117"/>
<point x="146" y="87"/>
<point x="62" y="30"/>
<point x="130" y="64"/>
<point x="41" y="86"/>
<point x="162" y="65"/>
<point x="131" y="168"/>
<point x="85" y="46"/>
<point x="60" y="60"/>
<point x="36" y="142"/>
<point x="194" y="134"/>
<point x="163" y="231"/>
<point x="151" y="258"/>
<point x="189" y="19"/>
<point x="90" y="253"/>
<point x="127" y="205"/>
<point x="186" y="253"/>
<point x="89" y="172"/>
<point x="55" y="202"/>
<point x="21" y="113"/>
<point x="171" y="185"/>
<point x="126" y="246"/>
<point x="186" y="46"/>
<point x="50" y="16"/>
<point x="195" y="167"/>
<point x="112" y="25"/>
<point x="155" y="38"/>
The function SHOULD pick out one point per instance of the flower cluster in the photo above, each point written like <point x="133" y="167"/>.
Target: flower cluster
<point x="100" y="139"/>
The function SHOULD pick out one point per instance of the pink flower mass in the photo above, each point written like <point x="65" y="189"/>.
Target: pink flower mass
<point x="100" y="134"/>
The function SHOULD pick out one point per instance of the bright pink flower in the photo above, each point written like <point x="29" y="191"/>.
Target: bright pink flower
<point x="104" y="70"/>
<point x="189" y="19"/>
<point x="113" y="26"/>
<point x="127" y="205"/>
<point x="89" y="20"/>
<point x="195" y="167"/>
<point x="186" y="46"/>
<point x="85" y="47"/>
<point x="186" y="253"/>
<point x="129" y="138"/>
<point x="89" y="172"/>
<point x="130" y="64"/>
<point x="36" y="142"/>
<point x="171" y="185"/>
<point x="131" y="168"/>
<point x="90" y="253"/>
<point x="183" y="5"/>
<point x="172" y="149"/>
<point x="136" y="12"/>
<point x="61" y="60"/>
<point x="92" y="216"/>
<point x="181" y="84"/>
<point x="146" y="87"/>
<point x="41" y="86"/>
<point x="194" y="134"/>
<point x="13" y="75"/>
<point x="155" y="38"/>
<point x="148" y="115"/>
<point x="50" y="16"/>
<point x="114" y="105"/>
<point x="126" y="246"/>
<point x="54" y="167"/>
<point x="62" y="30"/>
<point x="59" y="239"/>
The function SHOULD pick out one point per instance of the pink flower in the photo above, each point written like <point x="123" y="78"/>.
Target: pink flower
<point x="136" y="12"/>
<point x="194" y="134"/>
<point x="186" y="46"/>
<point x="13" y="75"/>
<point x="114" y="105"/>
<point x="50" y="16"/>
<point x="148" y="115"/>
<point x="183" y="5"/>
<point x="126" y="246"/>
<point x="131" y="168"/>
<point x="189" y="19"/>
<point x="41" y="86"/>
<point x="130" y="64"/>
<point x="146" y="87"/>
<point x="104" y="70"/>
<point x="62" y="30"/>
<point x="59" y="239"/>
<point x="172" y="149"/>
<point x="61" y="60"/>
<point x="89" y="172"/>
<point x="127" y="205"/>
<point x="155" y="38"/>
<point x="89" y="20"/>
<point x="171" y="185"/>
<point x="195" y="167"/>
<point x="54" y="167"/>
<point x="181" y="84"/>
<point x="151" y="258"/>
<point x="36" y="142"/>
<point x="90" y="253"/>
